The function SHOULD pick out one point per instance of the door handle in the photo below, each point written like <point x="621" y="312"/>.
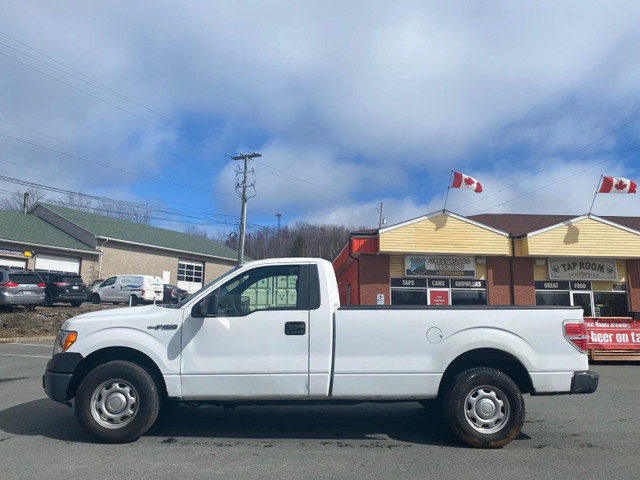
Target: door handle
<point x="295" y="328"/>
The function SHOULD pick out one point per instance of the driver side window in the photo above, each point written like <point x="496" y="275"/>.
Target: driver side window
<point x="275" y="287"/>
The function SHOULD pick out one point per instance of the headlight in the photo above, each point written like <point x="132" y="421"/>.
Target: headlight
<point x="63" y="341"/>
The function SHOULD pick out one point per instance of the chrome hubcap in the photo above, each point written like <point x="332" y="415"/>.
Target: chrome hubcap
<point x="486" y="409"/>
<point x="114" y="404"/>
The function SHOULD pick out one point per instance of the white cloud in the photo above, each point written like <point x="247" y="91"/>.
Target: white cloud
<point x="350" y="103"/>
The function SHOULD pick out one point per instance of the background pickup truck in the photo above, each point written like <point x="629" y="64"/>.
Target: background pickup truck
<point x="273" y="330"/>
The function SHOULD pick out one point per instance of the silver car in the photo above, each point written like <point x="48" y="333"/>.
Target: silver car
<point x="21" y="287"/>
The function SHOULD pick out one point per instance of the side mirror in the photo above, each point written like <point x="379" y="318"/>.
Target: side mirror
<point x="207" y="307"/>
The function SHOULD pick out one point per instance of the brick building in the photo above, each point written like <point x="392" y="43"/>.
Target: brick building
<point x="52" y="237"/>
<point x="496" y="259"/>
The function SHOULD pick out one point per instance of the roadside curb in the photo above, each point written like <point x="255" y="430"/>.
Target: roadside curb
<point x="27" y="339"/>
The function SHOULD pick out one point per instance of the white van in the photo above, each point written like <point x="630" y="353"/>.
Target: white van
<point x="132" y="289"/>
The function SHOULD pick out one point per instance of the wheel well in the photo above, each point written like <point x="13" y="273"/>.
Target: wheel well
<point x="116" y="353"/>
<point x="491" y="358"/>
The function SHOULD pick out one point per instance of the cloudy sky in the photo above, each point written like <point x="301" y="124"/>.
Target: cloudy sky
<point x="349" y="103"/>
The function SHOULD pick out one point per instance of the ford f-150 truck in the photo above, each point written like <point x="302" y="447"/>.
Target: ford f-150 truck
<point x="273" y="330"/>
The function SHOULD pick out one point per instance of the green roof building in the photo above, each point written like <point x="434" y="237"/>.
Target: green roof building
<point x="98" y="246"/>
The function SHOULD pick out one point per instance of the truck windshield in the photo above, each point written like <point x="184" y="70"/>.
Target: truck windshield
<point x="221" y="277"/>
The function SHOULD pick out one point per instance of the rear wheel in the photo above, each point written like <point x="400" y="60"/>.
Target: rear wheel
<point x="117" y="402"/>
<point x="95" y="298"/>
<point x="133" y="300"/>
<point x="76" y="303"/>
<point x="48" y="299"/>
<point x="484" y="407"/>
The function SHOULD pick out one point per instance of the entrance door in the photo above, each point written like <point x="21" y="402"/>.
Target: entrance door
<point x="257" y="345"/>
<point x="582" y="299"/>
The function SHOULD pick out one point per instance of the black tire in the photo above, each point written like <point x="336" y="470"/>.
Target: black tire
<point x="133" y="300"/>
<point x="95" y="299"/>
<point x="117" y="402"/>
<point x="484" y="407"/>
<point x="76" y="303"/>
<point x="48" y="299"/>
<point x="116" y="303"/>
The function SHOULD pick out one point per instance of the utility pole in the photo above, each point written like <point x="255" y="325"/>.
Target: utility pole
<point x="382" y="220"/>
<point x="243" y="194"/>
<point x="279" y="215"/>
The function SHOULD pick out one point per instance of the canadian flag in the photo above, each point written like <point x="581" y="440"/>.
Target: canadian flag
<point x="460" y="180"/>
<point x="617" y="185"/>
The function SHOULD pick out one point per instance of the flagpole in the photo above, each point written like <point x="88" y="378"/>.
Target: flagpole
<point x="447" y="195"/>
<point x="595" y="194"/>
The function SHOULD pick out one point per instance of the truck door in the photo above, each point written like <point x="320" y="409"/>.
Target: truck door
<point x="255" y="342"/>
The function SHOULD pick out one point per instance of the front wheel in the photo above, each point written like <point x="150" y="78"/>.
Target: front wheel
<point x="117" y="402"/>
<point x="485" y="408"/>
<point x="95" y="299"/>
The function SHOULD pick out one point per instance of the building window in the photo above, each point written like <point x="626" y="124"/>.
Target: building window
<point x="190" y="272"/>
<point x="581" y="294"/>
<point x="553" y="298"/>
<point x="408" y="297"/>
<point x="610" y="304"/>
<point x="468" y="297"/>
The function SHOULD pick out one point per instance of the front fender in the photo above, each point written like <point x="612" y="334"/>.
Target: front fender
<point x="162" y="347"/>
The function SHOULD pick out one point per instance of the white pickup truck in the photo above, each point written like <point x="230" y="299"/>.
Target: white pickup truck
<point x="273" y="330"/>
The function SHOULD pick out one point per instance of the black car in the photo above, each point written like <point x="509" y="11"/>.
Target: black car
<point x="64" y="287"/>
<point x="173" y="294"/>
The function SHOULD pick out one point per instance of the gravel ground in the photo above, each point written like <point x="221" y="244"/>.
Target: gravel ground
<point x="43" y="322"/>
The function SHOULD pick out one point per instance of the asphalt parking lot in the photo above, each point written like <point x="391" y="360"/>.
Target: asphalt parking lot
<point x="569" y="437"/>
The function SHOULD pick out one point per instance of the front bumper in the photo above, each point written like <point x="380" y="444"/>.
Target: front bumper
<point x="584" y="382"/>
<point x="59" y="374"/>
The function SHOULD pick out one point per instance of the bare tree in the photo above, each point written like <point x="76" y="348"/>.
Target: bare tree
<point x="302" y="239"/>
<point x="15" y="201"/>
<point x="197" y="231"/>
<point x="125" y="211"/>
<point x="75" y="201"/>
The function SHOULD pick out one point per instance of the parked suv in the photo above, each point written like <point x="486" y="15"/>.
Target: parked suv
<point x="64" y="287"/>
<point x="21" y="287"/>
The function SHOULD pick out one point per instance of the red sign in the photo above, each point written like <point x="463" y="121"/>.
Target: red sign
<point x="613" y="333"/>
<point x="438" y="297"/>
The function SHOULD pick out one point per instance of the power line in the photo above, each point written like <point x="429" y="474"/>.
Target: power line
<point x="43" y="187"/>
<point x="37" y="145"/>
<point x="36" y="132"/>
<point x="188" y="214"/>
<point x="84" y="91"/>
<point x="563" y="159"/>
<point x="79" y="75"/>
<point x="635" y="147"/>
<point x="298" y="179"/>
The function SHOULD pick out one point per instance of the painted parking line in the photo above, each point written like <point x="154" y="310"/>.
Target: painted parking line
<point x="18" y="355"/>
